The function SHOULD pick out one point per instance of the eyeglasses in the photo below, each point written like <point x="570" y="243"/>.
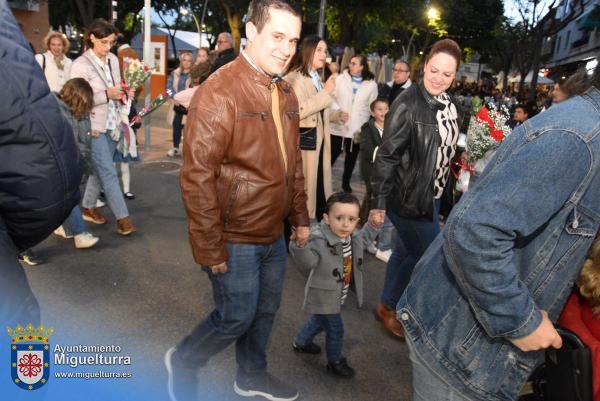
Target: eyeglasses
<point x="222" y="41"/>
<point x="399" y="70"/>
<point x="354" y="63"/>
<point x="106" y="42"/>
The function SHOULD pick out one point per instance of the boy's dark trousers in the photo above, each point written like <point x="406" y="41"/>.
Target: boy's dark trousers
<point x="334" y="334"/>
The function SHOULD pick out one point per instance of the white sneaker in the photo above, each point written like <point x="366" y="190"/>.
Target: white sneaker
<point x="99" y="203"/>
<point x="372" y="249"/>
<point x="85" y="240"/>
<point x="384" y="256"/>
<point x="173" y="152"/>
<point x="60" y="231"/>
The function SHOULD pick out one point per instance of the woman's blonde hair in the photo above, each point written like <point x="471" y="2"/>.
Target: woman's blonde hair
<point x="589" y="277"/>
<point x="53" y="34"/>
<point x="79" y="96"/>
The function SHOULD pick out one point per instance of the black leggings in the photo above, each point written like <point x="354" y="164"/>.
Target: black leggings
<point x="339" y="144"/>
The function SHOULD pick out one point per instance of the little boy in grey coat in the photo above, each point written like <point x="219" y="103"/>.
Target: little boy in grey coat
<point x="334" y="258"/>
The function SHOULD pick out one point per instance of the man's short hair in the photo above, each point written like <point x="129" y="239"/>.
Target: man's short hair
<point x="227" y="37"/>
<point x="258" y="11"/>
<point x="341" y="197"/>
<point x="400" y="61"/>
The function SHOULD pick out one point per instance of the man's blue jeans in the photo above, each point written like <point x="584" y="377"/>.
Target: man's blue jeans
<point x="74" y="225"/>
<point x="427" y="385"/>
<point x="105" y="177"/>
<point x="334" y="334"/>
<point x="413" y="236"/>
<point x="246" y="300"/>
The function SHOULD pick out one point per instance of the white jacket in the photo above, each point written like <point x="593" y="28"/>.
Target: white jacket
<point x="359" y="109"/>
<point x="56" y="78"/>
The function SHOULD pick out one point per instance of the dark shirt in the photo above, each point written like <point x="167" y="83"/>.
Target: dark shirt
<point x="226" y="56"/>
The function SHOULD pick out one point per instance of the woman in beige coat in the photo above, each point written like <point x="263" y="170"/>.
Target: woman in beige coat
<point x="314" y="99"/>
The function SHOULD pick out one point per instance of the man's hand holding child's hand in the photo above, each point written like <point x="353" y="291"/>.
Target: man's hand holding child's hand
<point x="300" y="235"/>
<point x="376" y="217"/>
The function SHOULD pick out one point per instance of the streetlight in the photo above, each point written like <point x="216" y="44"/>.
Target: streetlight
<point x="433" y="14"/>
<point x="184" y="11"/>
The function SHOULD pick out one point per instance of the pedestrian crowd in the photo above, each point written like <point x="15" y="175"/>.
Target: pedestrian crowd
<point x="473" y="286"/>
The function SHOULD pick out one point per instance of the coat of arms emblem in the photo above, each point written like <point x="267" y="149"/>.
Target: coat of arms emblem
<point x="30" y="355"/>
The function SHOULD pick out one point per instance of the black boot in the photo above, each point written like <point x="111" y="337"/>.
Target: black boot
<point x="310" y="348"/>
<point x="340" y="368"/>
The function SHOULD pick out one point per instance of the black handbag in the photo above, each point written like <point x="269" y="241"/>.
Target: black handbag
<point x="566" y="374"/>
<point x="179" y="109"/>
<point x="308" y="138"/>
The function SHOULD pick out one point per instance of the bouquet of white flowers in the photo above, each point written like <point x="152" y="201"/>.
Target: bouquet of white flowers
<point x="487" y="129"/>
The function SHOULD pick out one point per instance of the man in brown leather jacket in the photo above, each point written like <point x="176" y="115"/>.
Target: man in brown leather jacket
<point x="241" y="176"/>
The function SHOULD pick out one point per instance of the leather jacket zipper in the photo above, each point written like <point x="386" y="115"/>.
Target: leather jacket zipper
<point x="262" y="114"/>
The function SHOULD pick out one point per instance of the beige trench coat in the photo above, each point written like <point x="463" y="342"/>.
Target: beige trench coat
<point x="311" y="103"/>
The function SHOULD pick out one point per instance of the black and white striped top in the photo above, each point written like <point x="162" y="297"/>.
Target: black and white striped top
<point x="447" y="119"/>
<point x="347" y="275"/>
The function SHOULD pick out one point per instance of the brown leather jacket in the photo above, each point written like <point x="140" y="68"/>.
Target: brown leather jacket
<point x="233" y="180"/>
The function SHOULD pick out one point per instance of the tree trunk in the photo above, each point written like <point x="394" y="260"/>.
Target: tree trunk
<point x="535" y="67"/>
<point x="234" y="19"/>
<point x="171" y="35"/>
<point x="522" y="84"/>
<point x="86" y="10"/>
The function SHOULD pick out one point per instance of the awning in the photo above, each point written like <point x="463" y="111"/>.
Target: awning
<point x="590" y="20"/>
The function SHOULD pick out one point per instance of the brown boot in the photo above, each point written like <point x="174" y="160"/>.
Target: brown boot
<point x="125" y="226"/>
<point x="92" y="215"/>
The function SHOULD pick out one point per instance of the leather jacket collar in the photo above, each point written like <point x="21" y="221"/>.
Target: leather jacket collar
<point x="262" y="78"/>
<point x="431" y="102"/>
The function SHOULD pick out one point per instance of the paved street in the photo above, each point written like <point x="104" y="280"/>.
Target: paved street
<point x="145" y="292"/>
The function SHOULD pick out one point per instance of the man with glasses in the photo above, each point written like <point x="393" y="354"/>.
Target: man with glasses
<point x="225" y="50"/>
<point x="400" y="81"/>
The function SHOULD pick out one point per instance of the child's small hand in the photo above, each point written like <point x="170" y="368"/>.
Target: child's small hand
<point x="376" y="217"/>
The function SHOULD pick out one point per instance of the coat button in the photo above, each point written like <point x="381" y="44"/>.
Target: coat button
<point x="404" y="316"/>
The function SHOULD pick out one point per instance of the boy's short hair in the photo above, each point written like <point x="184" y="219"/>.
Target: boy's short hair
<point x="378" y="100"/>
<point x="523" y="107"/>
<point x="341" y="197"/>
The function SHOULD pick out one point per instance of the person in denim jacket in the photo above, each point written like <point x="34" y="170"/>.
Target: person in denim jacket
<point x="480" y="306"/>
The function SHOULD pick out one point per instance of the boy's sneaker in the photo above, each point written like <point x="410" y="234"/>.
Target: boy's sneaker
<point x="30" y="258"/>
<point x="384" y="256"/>
<point x="341" y="368"/>
<point x="85" y="240"/>
<point x="372" y="249"/>
<point x="181" y="380"/>
<point x="264" y="385"/>
<point x="60" y="231"/>
<point x="310" y="348"/>
<point x="173" y="152"/>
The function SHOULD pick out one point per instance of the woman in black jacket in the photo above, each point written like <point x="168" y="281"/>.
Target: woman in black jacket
<point x="412" y="168"/>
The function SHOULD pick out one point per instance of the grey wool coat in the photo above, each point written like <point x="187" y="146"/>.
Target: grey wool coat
<point x="322" y="258"/>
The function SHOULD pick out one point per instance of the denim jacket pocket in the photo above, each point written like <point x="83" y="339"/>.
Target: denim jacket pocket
<point x="580" y="224"/>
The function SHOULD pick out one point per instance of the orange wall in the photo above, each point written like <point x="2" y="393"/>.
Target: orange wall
<point x="36" y="24"/>
<point x="158" y="83"/>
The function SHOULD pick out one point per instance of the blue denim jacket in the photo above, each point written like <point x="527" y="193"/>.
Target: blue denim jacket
<point x="512" y="247"/>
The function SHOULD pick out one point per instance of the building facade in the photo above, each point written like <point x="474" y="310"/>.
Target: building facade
<point x="577" y="45"/>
